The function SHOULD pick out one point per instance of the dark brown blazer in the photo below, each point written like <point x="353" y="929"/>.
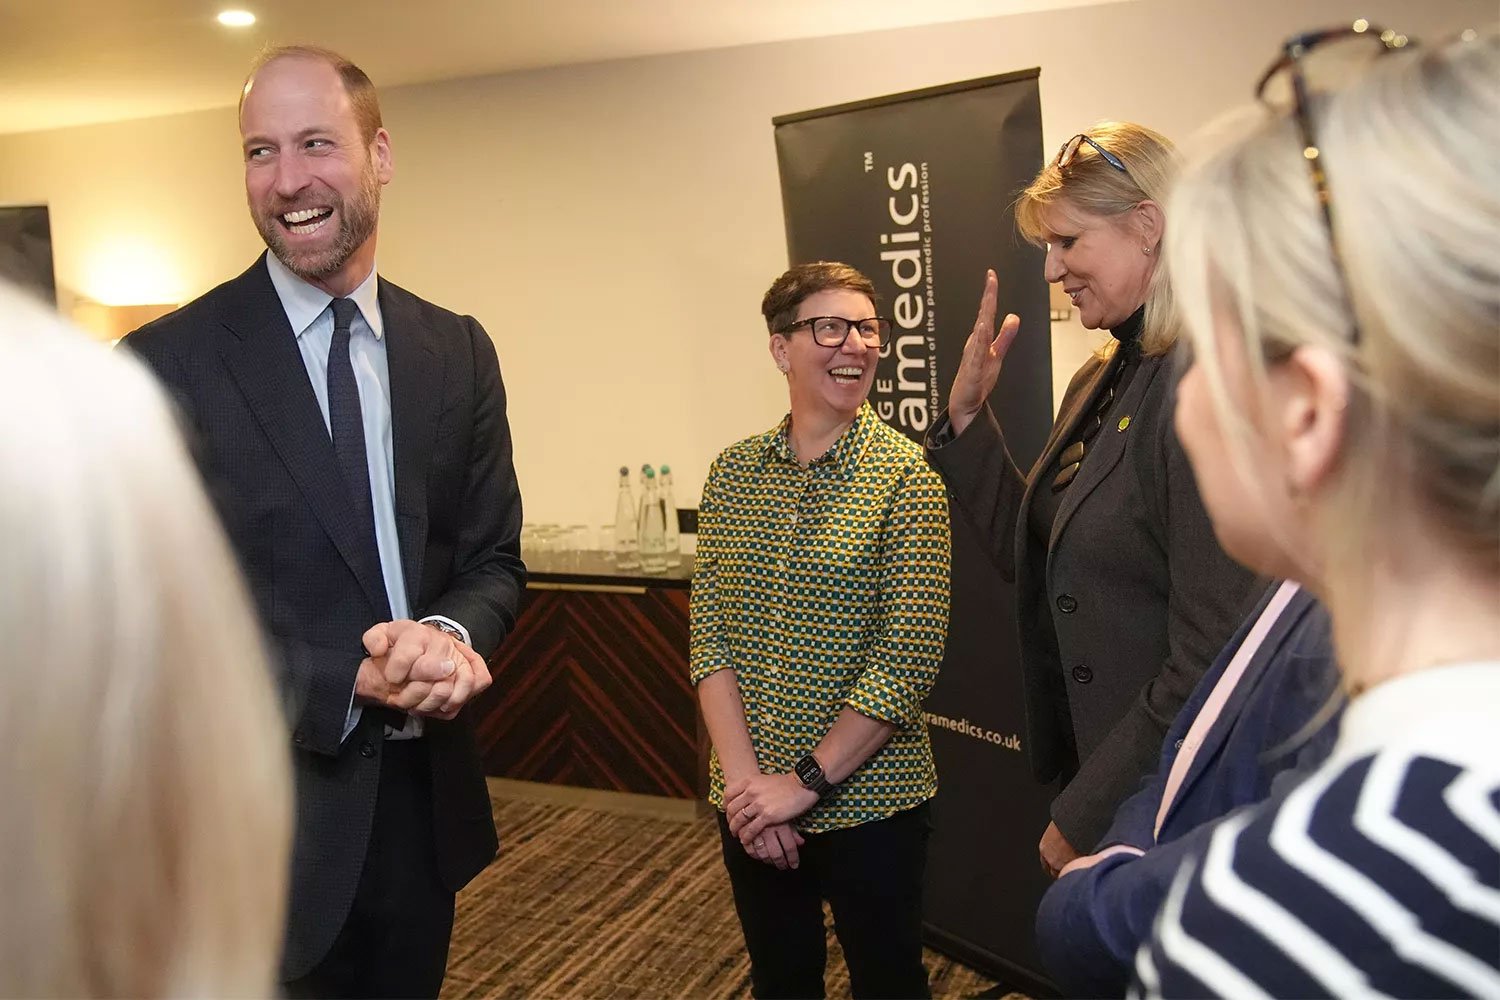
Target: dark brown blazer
<point x="1138" y="591"/>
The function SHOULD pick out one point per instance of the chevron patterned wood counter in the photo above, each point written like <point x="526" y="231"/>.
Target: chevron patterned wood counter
<point x="592" y="689"/>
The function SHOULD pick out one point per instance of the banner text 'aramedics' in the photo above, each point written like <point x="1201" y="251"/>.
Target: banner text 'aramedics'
<point x="908" y="397"/>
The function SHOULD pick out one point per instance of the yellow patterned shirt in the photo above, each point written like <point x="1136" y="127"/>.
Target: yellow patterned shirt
<point x="825" y="587"/>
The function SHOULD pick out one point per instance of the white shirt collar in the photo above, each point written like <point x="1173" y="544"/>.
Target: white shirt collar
<point x="1451" y="709"/>
<point x="304" y="302"/>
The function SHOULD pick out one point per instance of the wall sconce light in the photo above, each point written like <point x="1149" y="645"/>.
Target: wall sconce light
<point x="110" y="323"/>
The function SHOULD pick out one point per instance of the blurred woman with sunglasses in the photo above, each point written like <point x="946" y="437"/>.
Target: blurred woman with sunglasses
<point x="1124" y="598"/>
<point x="1339" y="267"/>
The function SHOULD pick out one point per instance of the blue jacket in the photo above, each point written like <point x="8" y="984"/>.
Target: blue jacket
<point x="1091" y="921"/>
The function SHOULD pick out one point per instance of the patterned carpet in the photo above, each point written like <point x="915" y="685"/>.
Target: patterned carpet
<point x="583" y="903"/>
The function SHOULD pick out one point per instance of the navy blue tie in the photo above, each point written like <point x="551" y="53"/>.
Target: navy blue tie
<point x="347" y="425"/>
<point x="346" y="421"/>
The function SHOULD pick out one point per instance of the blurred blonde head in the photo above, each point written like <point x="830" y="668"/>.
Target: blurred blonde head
<point x="146" y="826"/>
<point x="1412" y="156"/>
<point x="1090" y="183"/>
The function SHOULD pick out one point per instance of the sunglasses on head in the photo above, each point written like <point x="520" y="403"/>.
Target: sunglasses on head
<point x="1291" y="68"/>
<point x="1069" y="150"/>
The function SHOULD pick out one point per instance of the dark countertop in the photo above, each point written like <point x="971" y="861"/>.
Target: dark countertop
<point x="564" y="570"/>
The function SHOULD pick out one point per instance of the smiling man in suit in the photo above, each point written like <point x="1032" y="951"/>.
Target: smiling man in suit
<point x="355" y="439"/>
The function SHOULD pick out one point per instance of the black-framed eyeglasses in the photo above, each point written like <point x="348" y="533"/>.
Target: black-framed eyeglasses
<point x="1292" y="64"/>
<point x="1070" y="149"/>
<point x="832" y="331"/>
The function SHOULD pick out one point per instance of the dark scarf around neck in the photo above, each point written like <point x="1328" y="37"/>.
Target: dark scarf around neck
<point x="1128" y="334"/>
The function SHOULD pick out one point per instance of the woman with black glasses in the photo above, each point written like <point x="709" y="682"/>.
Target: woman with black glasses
<point x="1339" y="260"/>
<point x="819" y="613"/>
<point x="1124" y="596"/>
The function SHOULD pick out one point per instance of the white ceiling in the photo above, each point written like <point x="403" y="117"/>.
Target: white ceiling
<point x="74" y="62"/>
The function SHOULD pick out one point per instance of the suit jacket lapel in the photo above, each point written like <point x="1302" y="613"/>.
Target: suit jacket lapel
<point x="417" y="394"/>
<point x="1108" y="446"/>
<point x="1062" y="432"/>
<point x="264" y="361"/>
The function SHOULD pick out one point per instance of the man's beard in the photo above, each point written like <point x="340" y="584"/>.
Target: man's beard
<point x="356" y="221"/>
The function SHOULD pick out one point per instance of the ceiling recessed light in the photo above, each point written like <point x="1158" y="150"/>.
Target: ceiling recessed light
<point x="236" y="18"/>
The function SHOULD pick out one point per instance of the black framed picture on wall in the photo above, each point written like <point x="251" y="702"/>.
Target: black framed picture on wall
<point x="26" y="250"/>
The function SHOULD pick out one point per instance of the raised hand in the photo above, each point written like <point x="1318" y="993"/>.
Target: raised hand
<point x="984" y="353"/>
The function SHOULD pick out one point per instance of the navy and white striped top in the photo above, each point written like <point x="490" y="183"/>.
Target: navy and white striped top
<point x="1378" y="876"/>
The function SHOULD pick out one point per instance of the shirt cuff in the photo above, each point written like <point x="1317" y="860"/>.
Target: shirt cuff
<point x="352" y="719"/>
<point x="704" y="664"/>
<point x="883" y="698"/>
<point x="463" y="633"/>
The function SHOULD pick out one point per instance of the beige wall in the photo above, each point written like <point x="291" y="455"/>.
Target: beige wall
<point x="614" y="225"/>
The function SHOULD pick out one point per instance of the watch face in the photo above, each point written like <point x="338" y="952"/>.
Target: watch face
<point x="808" y="769"/>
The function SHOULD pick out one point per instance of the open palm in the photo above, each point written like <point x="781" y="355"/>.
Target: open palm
<point x="984" y="354"/>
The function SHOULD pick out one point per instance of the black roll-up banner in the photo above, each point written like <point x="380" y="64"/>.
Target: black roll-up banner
<point x="916" y="191"/>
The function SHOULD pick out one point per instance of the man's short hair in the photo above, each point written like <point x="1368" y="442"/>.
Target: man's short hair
<point x="357" y="85"/>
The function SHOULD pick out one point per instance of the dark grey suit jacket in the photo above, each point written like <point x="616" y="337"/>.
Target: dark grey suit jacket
<point x="1140" y="594"/>
<point x="231" y="360"/>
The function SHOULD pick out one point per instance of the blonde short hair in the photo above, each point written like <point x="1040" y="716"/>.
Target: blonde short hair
<point x="1093" y="185"/>
<point x="146" y="781"/>
<point x="1413" y="163"/>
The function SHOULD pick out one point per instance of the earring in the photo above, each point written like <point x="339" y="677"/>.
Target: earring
<point x="782" y="367"/>
<point x="1145" y="250"/>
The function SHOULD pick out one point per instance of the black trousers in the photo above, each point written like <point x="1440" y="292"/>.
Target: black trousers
<point x="394" y="942"/>
<point x="871" y="876"/>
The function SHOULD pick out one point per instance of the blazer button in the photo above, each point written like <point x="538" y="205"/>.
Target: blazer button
<point x="298" y="738"/>
<point x="1082" y="674"/>
<point x="367" y="749"/>
<point x="1067" y="604"/>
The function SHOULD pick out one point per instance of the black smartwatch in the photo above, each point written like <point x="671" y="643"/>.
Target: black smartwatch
<point x="810" y="773"/>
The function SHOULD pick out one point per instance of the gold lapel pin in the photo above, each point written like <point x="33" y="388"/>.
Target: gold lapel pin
<point x="1124" y="423"/>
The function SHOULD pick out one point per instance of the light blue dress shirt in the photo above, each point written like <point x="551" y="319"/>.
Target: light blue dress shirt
<point x="308" y="310"/>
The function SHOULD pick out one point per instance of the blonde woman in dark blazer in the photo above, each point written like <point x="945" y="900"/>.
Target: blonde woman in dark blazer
<point x="1124" y="596"/>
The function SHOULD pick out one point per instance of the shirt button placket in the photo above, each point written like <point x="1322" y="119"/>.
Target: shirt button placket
<point x="778" y="591"/>
<point x="788" y="540"/>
